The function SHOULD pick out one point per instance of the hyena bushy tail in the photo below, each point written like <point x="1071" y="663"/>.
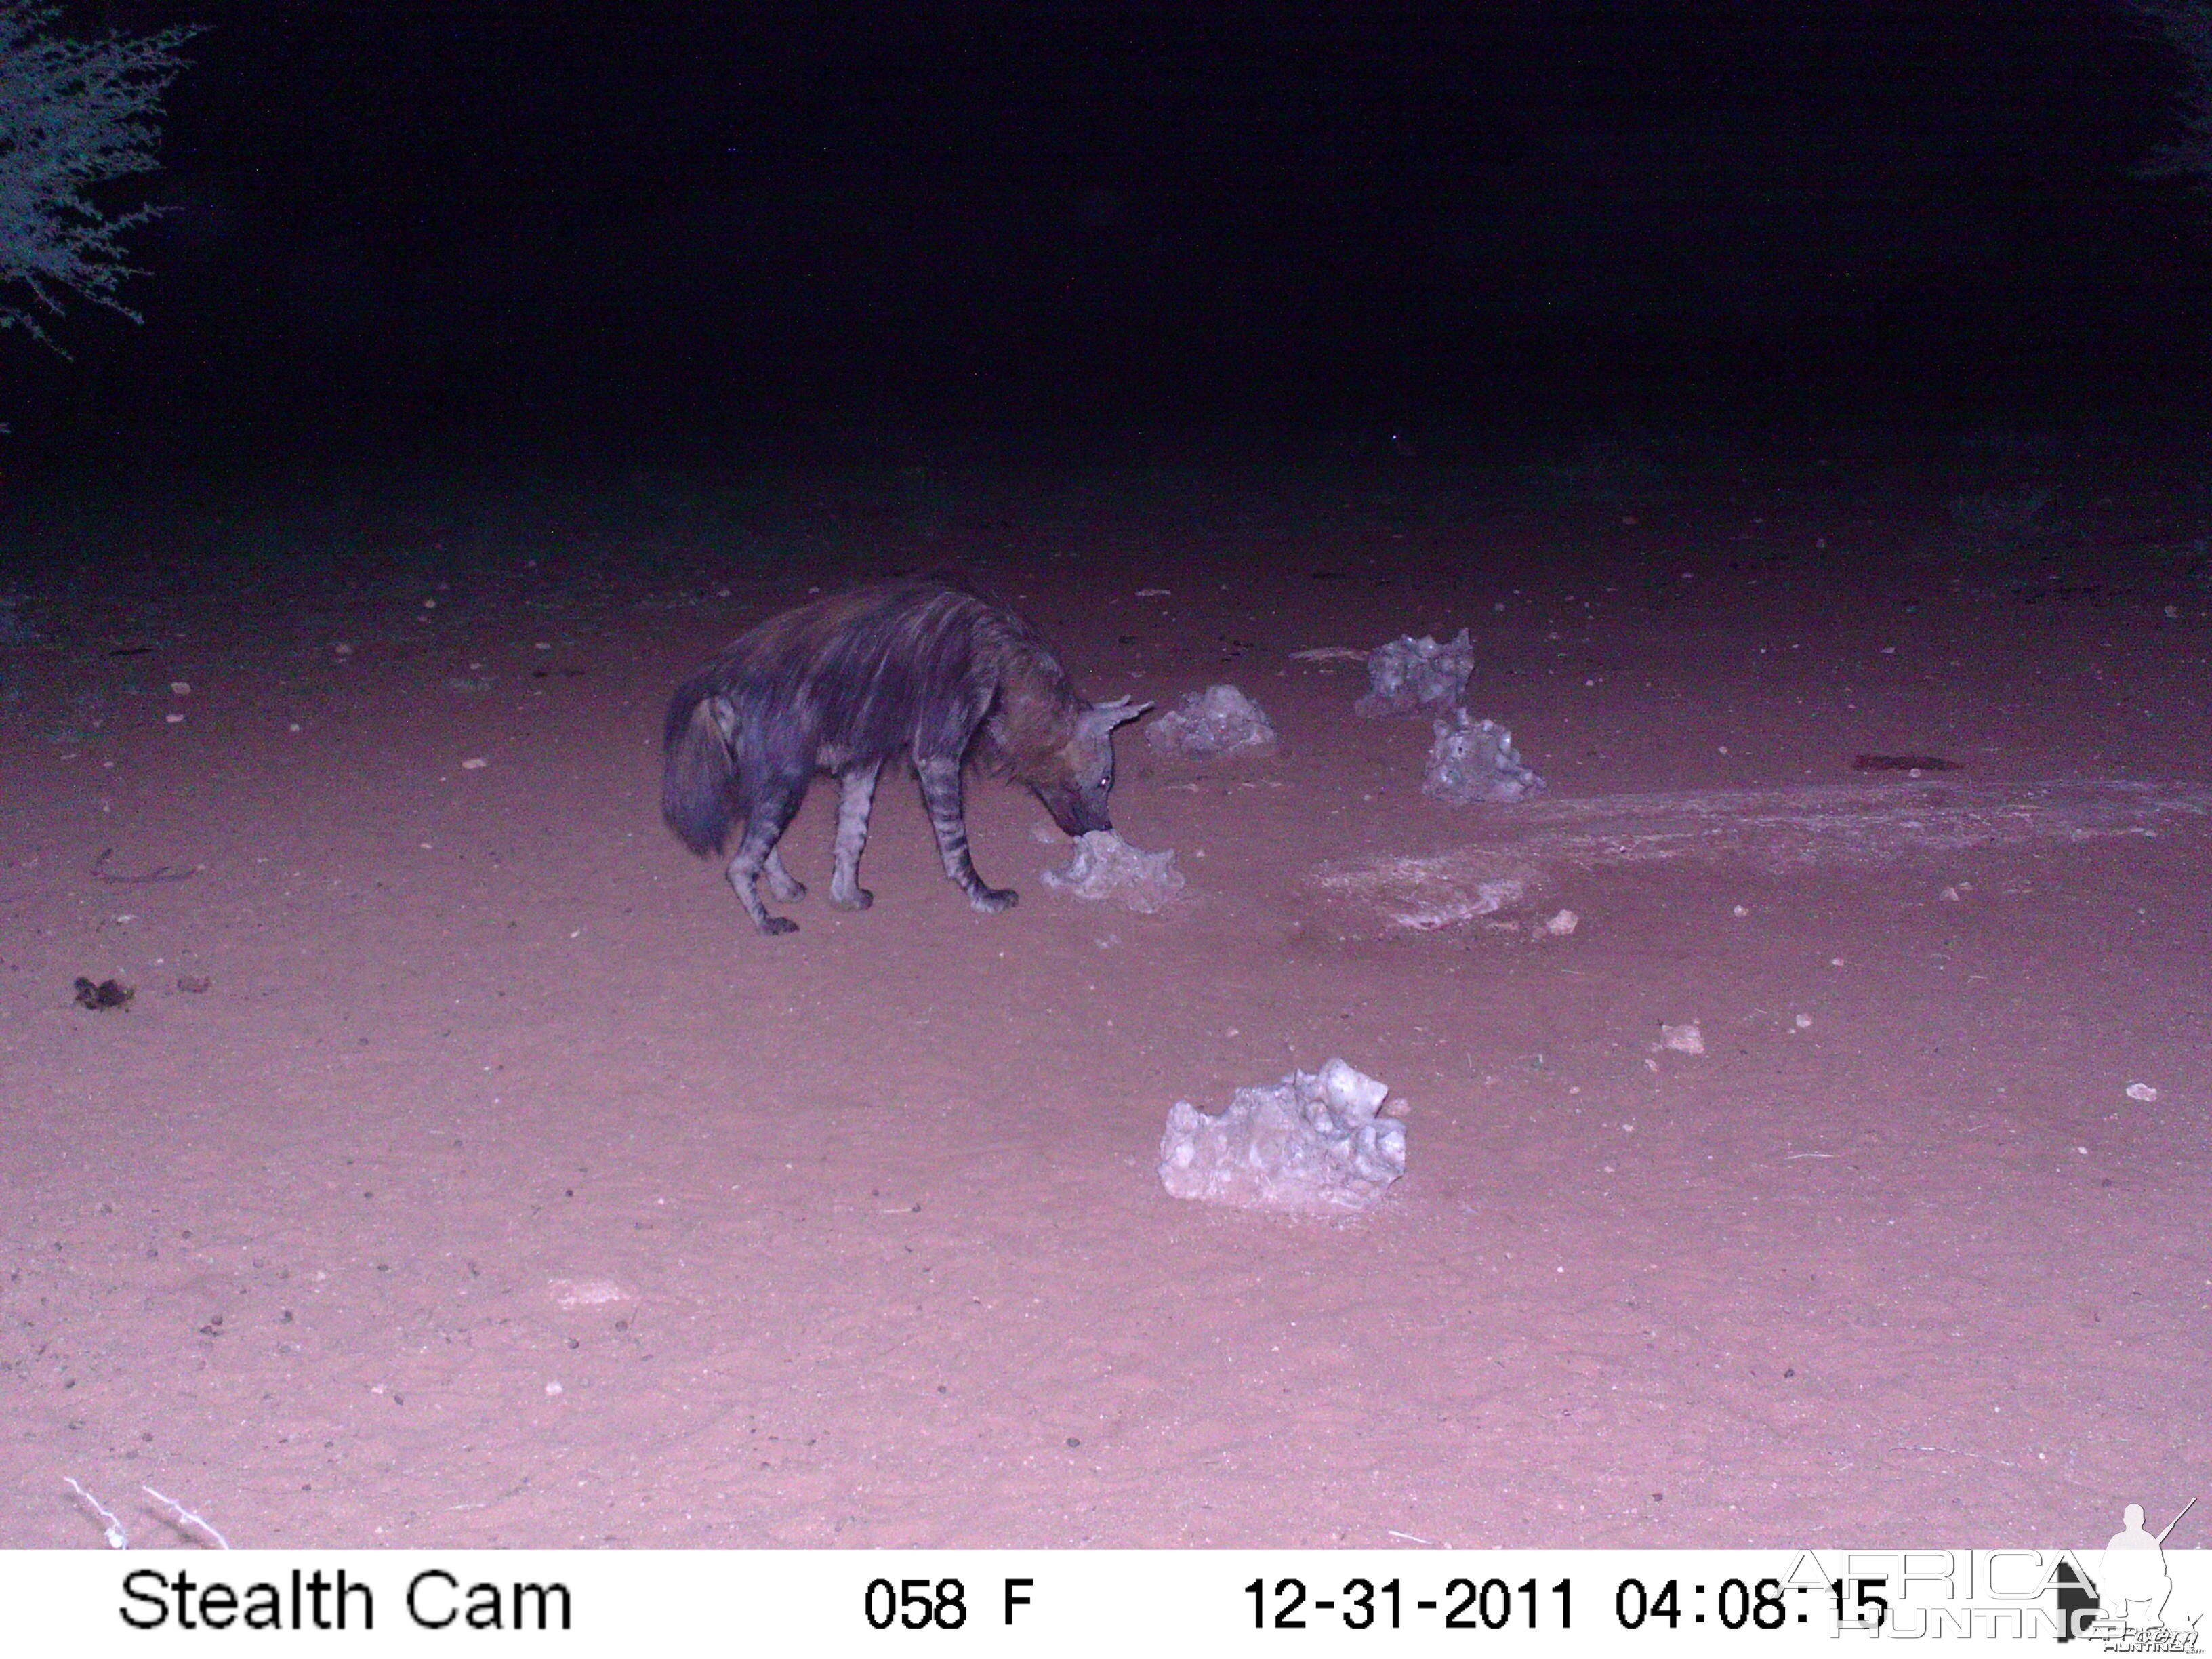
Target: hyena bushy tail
<point x="695" y="786"/>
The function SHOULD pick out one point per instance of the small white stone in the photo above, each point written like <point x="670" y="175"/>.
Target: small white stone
<point x="554" y="1388"/>
<point x="1803" y="1021"/>
<point x="585" y="1292"/>
<point x="1684" y="1039"/>
<point x="1563" y="924"/>
<point x="175" y="720"/>
<point x="2142" y="1092"/>
<point x="474" y="763"/>
<point x="182" y="688"/>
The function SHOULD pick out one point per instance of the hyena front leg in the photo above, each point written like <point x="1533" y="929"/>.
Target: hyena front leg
<point x="764" y="824"/>
<point x="940" y="792"/>
<point x="859" y="794"/>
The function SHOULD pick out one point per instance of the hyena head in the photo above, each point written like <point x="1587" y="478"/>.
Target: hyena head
<point x="1074" y="779"/>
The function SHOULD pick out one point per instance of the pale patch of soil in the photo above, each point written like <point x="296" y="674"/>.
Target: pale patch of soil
<point x="500" y="1185"/>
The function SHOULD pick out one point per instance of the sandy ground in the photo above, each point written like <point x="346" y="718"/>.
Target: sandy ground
<point x="465" y="1172"/>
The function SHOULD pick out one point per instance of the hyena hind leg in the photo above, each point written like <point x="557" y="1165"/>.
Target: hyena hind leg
<point x="781" y="882"/>
<point x="940" y="792"/>
<point x="853" y="806"/>
<point x="756" y="854"/>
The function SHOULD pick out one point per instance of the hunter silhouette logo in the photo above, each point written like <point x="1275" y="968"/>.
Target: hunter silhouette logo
<point x="2124" y="1607"/>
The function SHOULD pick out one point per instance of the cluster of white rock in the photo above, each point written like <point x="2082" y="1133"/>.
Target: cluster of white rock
<point x="1315" y="1144"/>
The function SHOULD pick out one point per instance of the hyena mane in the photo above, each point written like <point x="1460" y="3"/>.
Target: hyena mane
<point x="916" y="669"/>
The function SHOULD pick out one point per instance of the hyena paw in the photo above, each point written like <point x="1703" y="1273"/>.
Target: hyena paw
<point x="772" y="925"/>
<point x="992" y="899"/>
<point x="859" y="899"/>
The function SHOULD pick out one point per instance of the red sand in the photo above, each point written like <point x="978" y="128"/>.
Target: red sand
<point x="503" y="1188"/>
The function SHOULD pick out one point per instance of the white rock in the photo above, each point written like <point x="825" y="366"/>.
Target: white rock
<point x="2142" y="1092"/>
<point x="1218" y="721"/>
<point x="1106" y="866"/>
<point x="1409" y="675"/>
<point x="1475" y="761"/>
<point x="1684" y="1039"/>
<point x="1314" y="1143"/>
<point x="585" y="1292"/>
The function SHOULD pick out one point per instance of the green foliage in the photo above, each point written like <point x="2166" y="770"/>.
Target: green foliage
<point x="74" y="116"/>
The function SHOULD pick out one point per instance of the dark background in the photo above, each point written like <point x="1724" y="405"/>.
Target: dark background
<point x="649" y="227"/>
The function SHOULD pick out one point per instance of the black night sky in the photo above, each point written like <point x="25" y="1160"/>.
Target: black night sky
<point x="640" y="225"/>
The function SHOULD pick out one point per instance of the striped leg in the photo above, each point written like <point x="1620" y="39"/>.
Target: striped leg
<point x="781" y="882"/>
<point x="859" y="795"/>
<point x="940" y="792"/>
<point x="763" y="826"/>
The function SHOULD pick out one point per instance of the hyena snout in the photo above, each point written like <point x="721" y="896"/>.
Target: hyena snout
<point x="1078" y="815"/>
<point x="1077" y="812"/>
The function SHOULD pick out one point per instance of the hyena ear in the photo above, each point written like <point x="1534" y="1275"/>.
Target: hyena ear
<point x="1101" y="718"/>
<point x="724" y="714"/>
